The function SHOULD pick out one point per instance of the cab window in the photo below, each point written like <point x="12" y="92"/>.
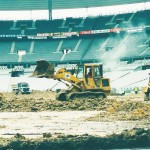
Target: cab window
<point x="80" y="72"/>
<point x="97" y="71"/>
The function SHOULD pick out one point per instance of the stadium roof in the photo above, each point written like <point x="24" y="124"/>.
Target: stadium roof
<point x="6" y="5"/>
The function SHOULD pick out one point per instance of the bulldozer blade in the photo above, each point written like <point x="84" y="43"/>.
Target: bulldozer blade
<point x="43" y="69"/>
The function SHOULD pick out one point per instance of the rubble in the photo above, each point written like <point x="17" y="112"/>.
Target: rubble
<point x="114" y="108"/>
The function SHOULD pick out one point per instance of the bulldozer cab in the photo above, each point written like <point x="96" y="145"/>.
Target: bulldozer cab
<point x="90" y="71"/>
<point x="92" y="75"/>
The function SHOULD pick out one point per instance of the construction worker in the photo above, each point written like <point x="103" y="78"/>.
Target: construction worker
<point x="90" y="73"/>
<point x="136" y="90"/>
<point x="147" y="96"/>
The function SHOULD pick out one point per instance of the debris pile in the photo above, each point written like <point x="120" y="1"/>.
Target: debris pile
<point x="134" y="138"/>
<point x="119" y="108"/>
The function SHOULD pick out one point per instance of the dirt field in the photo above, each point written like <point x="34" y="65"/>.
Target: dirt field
<point x="32" y="121"/>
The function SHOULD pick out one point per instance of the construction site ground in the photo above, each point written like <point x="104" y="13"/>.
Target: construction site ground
<point x="39" y="121"/>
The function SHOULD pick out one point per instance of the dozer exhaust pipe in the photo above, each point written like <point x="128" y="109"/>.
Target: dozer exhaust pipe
<point x="43" y="69"/>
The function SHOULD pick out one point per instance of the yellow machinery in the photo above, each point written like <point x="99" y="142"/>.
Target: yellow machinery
<point x="86" y="80"/>
<point x="146" y="91"/>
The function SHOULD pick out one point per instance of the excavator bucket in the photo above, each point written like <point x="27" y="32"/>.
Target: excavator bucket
<point x="43" y="69"/>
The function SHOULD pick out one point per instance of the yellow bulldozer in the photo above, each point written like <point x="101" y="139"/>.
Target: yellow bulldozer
<point x="84" y="80"/>
<point x="146" y="91"/>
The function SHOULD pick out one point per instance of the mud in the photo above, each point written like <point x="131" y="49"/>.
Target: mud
<point x="135" y="138"/>
<point x="115" y="122"/>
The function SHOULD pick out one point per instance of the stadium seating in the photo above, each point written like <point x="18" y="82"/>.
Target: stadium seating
<point x="121" y="44"/>
<point x="41" y="50"/>
<point x="76" y="55"/>
<point x="5" y="55"/>
<point x="22" y="45"/>
<point x="141" y="18"/>
<point x="24" y="24"/>
<point x="5" y="27"/>
<point x="96" y="50"/>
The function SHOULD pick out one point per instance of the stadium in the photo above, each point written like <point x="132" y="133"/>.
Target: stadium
<point x="111" y="39"/>
<point x="70" y="33"/>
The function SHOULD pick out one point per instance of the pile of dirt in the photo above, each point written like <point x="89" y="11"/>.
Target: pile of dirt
<point x="36" y="101"/>
<point x="134" y="138"/>
<point x="43" y="101"/>
<point x="122" y="108"/>
<point x="113" y="108"/>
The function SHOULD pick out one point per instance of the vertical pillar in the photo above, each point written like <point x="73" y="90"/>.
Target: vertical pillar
<point x="50" y="9"/>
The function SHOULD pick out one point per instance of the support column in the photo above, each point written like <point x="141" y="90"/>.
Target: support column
<point x="50" y="9"/>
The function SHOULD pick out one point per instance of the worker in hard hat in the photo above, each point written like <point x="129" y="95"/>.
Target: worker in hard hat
<point x="136" y="90"/>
